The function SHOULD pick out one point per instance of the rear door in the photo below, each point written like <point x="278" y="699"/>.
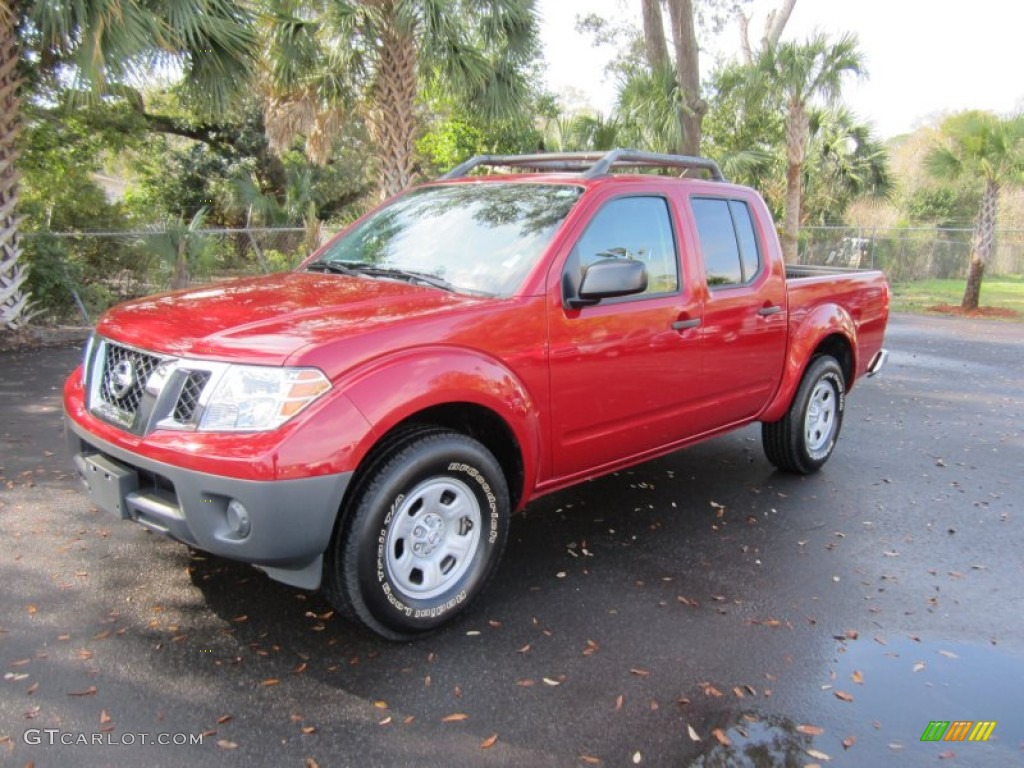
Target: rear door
<point x="745" y="313"/>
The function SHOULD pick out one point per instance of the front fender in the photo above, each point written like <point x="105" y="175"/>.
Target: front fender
<point x="807" y="330"/>
<point x="397" y="387"/>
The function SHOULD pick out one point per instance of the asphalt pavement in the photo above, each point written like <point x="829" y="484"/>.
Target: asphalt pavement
<point x="698" y="610"/>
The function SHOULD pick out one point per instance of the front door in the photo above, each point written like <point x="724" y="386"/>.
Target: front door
<point x="625" y="371"/>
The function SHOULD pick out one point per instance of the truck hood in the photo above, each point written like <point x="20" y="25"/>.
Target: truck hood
<point x="269" y="319"/>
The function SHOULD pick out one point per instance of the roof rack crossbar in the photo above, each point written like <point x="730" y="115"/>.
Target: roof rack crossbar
<point x="589" y="164"/>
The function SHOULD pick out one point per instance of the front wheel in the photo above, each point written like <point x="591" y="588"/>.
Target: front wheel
<point x="426" y="529"/>
<point x="803" y="440"/>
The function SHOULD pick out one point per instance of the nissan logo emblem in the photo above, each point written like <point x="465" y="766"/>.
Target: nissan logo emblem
<point x="121" y="379"/>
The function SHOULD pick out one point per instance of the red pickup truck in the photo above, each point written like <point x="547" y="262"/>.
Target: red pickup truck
<point x="367" y="423"/>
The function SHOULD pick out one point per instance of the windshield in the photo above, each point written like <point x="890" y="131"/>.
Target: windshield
<point x="476" y="238"/>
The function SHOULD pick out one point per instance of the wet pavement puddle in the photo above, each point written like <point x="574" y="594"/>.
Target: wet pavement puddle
<point x="884" y="698"/>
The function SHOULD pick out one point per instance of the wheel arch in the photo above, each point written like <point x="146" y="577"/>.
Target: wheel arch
<point x="471" y="419"/>
<point x="828" y="330"/>
<point x="456" y="389"/>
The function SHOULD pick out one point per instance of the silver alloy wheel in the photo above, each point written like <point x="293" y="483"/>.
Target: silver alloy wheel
<point x="820" y="421"/>
<point x="432" y="538"/>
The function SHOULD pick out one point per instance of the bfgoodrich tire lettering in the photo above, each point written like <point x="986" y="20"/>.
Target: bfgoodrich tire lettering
<point x="425" y="532"/>
<point x="803" y="440"/>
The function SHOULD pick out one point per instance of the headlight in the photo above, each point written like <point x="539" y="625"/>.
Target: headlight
<point x="257" y="398"/>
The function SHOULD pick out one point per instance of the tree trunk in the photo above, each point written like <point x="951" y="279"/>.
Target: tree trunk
<point x="14" y="304"/>
<point x="791" y="216"/>
<point x="982" y="245"/>
<point x="392" y="119"/>
<point x="775" y="24"/>
<point x="654" y="35"/>
<point x="797" y="133"/>
<point x="684" y="38"/>
<point x="181" y="264"/>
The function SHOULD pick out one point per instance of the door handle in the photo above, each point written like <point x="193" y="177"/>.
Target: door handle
<point x="772" y="310"/>
<point x="682" y="325"/>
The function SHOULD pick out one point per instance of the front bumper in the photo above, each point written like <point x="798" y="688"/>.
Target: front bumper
<point x="285" y="530"/>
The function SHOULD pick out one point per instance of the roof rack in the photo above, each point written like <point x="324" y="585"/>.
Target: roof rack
<point x="589" y="164"/>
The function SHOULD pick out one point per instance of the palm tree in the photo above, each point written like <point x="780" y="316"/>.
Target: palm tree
<point x="331" y="61"/>
<point x="13" y="301"/>
<point x="802" y="74"/>
<point x="845" y="162"/>
<point x="982" y="146"/>
<point x="650" y="108"/>
<point x="582" y="132"/>
<point x="104" y="42"/>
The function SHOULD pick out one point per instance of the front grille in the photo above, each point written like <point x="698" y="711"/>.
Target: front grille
<point x="188" y="401"/>
<point x="123" y="377"/>
<point x="140" y="392"/>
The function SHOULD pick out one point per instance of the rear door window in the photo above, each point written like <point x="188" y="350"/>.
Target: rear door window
<point x="728" y="241"/>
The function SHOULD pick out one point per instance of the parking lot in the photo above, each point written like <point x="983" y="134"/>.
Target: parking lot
<point x="697" y="610"/>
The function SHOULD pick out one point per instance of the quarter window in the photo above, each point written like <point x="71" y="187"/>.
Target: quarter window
<point x="727" y="241"/>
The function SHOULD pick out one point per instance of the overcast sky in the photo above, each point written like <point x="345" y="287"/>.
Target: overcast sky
<point x="924" y="57"/>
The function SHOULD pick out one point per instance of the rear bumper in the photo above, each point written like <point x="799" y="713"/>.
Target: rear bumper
<point x="281" y="526"/>
<point x="878" y="362"/>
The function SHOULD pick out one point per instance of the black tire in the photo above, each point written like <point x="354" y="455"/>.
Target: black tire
<point x="425" y="529"/>
<point x="803" y="440"/>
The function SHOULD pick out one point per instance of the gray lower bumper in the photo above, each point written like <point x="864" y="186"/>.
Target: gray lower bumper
<point x="289" y="522"/>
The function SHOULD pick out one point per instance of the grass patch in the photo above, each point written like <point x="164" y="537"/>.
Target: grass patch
<point x="1000" y="293"/>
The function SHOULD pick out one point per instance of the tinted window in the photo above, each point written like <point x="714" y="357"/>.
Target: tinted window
<point x="727" y="241"/>
<point x="750" y="257"/>
<point x="481" y="238"/>
<point x="630" y="228"/>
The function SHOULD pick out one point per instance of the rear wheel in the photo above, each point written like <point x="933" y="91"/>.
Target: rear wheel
<point x="803" y="440"/>
<point x="427" y="526"/>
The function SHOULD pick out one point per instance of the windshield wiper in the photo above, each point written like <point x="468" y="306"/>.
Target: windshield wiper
<point x="373" y="270"/>
<point x="404" y="274"/>
<point x="331" y="266"/>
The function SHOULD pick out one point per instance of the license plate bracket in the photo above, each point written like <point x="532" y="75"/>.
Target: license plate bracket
<point x="109" y="482"/>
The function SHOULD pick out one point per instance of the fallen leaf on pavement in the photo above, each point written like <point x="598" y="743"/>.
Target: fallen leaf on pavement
<point x="489" y="742"/>
<point x="810" y="730"/>
<point x="719" y="734"/>
<point x="844" y="696"/>
<point x="456" y="717"/>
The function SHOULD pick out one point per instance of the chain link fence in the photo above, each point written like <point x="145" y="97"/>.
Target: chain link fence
<point x="78" y="275"/>
<point x="909" y="254"/>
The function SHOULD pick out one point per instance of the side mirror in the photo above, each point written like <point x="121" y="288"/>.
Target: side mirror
<point x="609" y="278"/>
